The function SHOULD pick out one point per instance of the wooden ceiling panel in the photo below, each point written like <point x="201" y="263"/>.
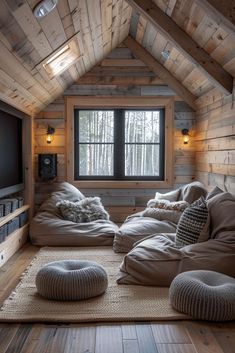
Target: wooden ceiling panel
<point x="26" y="41"/>
<point x="206" y="28"/>
<point x="99" y="27"/>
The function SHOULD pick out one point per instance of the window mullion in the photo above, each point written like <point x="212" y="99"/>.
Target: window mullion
<point x="119" y="147"/>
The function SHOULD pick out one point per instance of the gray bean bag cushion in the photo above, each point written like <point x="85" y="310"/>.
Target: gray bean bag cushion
<point x="204" y="295"/>
<point x="49" y="228"/>
<point x="156" y="261"/>
<point x="71" y="280"/>
<point x="139" y="225"/>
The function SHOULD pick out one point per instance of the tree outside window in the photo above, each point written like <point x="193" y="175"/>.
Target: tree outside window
<point x="120" y="144"/>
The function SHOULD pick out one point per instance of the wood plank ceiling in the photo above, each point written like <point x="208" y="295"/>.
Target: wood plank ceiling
<point x="100" y="26"/>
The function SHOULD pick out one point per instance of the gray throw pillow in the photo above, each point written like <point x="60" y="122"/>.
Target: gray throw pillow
<point x="214" y="192"/>
<point x="86" y="210"/>
<point x="193" y="226"/>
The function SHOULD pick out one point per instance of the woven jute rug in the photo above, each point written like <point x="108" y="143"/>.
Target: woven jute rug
<point x="119" y="303"/>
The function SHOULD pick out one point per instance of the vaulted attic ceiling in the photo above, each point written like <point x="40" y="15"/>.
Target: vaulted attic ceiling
<point x="189" y="45"/>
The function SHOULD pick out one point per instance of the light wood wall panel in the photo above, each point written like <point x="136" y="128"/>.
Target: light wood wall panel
<point x="131" y="200"/>
<point x="215" y="141"/>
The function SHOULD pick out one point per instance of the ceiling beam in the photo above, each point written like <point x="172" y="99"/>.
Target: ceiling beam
<point x="221" y="11"/>
<point x="121" y="81"/>
<point x="181" y="40"/>
<point x="160" y="71"/>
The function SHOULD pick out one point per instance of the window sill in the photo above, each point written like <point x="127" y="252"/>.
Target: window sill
<point x="120" y="184"/>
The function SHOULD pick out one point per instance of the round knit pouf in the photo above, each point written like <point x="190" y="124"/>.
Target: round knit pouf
<point x="204" y="295"/>
<point x="71" y="280"/>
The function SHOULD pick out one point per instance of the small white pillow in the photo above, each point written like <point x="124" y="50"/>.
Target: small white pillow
<point x="179" y="206"/>
<point x="170" y="196"/>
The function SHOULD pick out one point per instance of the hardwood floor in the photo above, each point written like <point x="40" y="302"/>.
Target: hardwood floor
<point x="150" y="337"/>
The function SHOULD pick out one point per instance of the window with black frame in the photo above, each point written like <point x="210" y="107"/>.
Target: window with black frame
<point x="119" y="144"/>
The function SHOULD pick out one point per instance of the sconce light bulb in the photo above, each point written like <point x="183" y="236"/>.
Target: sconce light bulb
<point x="186" y="139"/>
<point x="49" y="138"/>
<point x="185" y="133"/>
<point x="50" y="134"/>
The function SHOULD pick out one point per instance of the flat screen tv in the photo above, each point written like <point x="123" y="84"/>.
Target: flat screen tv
<point x="11" y="161"/>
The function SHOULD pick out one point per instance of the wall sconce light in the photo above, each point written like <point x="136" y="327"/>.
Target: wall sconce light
<point x="50" y="134"/>
<point x="185" y="133"/>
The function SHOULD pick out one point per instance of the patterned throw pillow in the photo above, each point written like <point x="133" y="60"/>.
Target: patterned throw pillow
<point x="88" y="209"/>
<point x="193" y="226"/>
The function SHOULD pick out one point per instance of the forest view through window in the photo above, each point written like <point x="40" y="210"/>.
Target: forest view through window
<point x="119" y="144"/>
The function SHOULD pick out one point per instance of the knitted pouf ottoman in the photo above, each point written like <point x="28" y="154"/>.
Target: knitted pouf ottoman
<point x="205" y="295"/>
<point x="71" y="280"/>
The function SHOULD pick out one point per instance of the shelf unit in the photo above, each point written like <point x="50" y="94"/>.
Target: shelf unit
<point x="15" y="240"/>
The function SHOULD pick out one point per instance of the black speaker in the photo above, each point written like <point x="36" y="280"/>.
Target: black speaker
<point x="47" y="166"/>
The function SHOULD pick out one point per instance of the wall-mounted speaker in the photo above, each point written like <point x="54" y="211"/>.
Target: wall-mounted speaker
<point x="47" y="166"/>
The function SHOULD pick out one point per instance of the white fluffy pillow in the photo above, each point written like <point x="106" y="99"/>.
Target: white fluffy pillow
<point x="86" y="210"/>
<point x="179" y="206"/>
<point x="170" y="196"/>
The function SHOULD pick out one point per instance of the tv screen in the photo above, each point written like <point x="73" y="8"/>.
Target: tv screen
<point x="11" y="164"/>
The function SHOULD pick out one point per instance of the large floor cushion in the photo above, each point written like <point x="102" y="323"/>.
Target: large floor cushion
<point x="204" y="295"/>
<point x="137" y="228"/>
<point x="71" y="280"/>
<point x="49" y="228"/>
<point x="155" y="261"/>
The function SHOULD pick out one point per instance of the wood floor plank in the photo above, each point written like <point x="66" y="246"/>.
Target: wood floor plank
<point x="170" y="333"/>
<point x="59" y="340"/>
<point x="108" y="339"/>
<point x="129" y="332"/>
<point x="146" y="339"/>
<point x="7" y="334"/>
<point x="32" y="341"/>
<point x="44" y="343"/>
<point x="226" y="340"/>
<point x="175" y="348"/>
<point x="80" y="339"/>
<point x="131" y="346"/>
<point x="20" y="337"/>
<point x="203" y="339"/>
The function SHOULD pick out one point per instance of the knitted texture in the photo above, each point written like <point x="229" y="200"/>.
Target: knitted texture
<point x="205" y="295"/>
<point x="192" y="224"/>
<point x="71" y="280"/>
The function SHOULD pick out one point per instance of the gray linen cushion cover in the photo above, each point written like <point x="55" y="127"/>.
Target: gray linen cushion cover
<point x="49" y="228"/>
<point x="71" y="280"/>
<point x="192" y="192"/>
<point x="215" y="191"/>
<point x="156" y="261"/>
<point x="193" y="225"/>
<point x="86" y="210"/>
<point x="204" y="295"/>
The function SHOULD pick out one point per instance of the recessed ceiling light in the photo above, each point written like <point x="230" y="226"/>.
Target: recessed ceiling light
<point x="44" y="7"/>
<point x="165" y="54"/>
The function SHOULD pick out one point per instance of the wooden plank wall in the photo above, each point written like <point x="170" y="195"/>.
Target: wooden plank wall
<point x="132" y="199"/>
<point x="215" y="141"/>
